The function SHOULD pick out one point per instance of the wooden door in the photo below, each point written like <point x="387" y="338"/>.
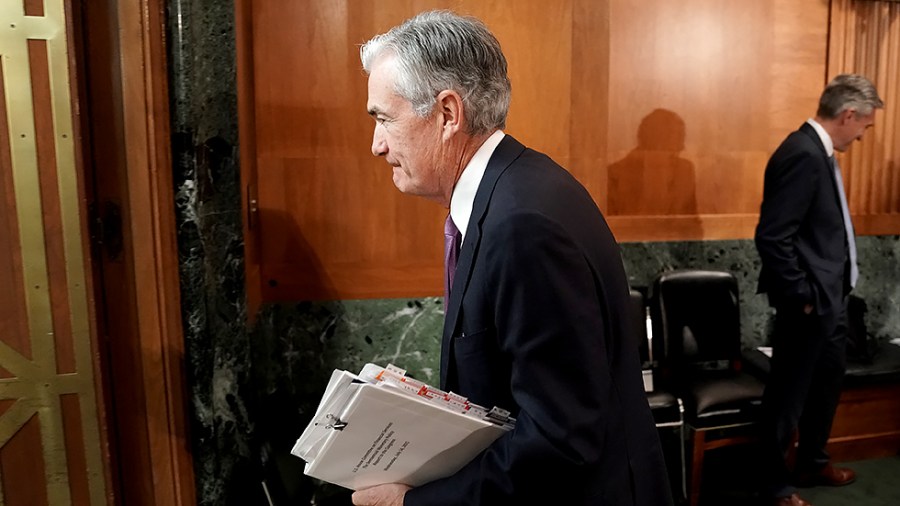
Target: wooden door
<point x="92" y="404"/>
<point x="51" y="434"/>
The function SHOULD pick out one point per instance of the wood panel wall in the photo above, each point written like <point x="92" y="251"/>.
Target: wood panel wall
<point x="865" y="39"/>
<point x="667" y="113"/>
<point x="325" y="220"/>
<point x="701" y="92"/>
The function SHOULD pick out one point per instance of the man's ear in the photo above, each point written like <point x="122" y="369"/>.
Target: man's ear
<point x="847" y="115"/>
<point x="452" y="114"/>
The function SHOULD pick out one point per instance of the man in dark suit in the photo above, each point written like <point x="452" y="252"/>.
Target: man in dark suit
<point x="535" y="321"/>
<point x="806" y="243"/>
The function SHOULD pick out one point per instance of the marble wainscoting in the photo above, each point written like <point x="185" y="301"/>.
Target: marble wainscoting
<point x="297" y="346"/>
<point x="879" y="282"/>
<point x="644" y="261"/>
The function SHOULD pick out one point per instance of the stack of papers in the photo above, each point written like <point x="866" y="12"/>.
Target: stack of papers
<point x="380" y="426"/>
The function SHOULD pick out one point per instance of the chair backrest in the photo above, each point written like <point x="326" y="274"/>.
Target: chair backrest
<point x="697" y="315"/>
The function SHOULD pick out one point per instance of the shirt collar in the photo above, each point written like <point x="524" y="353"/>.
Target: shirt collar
<point x="464" y="192"/>
<point x="823" y="135"/>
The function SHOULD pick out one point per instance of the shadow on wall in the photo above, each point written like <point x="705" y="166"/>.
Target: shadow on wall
<point x="297" y="268"/>
<point x="653" y="179"/>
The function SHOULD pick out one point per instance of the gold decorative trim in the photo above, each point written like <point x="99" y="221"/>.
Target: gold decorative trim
<point x="37" y="386"/>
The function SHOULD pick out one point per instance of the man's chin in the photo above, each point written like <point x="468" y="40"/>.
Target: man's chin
<point x="401" y="182"/>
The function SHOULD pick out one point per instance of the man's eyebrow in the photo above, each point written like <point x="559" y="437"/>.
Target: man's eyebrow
<point x="374" y="111"/>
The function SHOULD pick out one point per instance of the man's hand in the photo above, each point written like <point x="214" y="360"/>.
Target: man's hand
<point x="390" y="494"/>
<point x="808" y="308"/>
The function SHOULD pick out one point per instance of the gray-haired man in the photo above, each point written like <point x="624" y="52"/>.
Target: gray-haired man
<point x="806" y="243"/>
<point x="535" y="316"/>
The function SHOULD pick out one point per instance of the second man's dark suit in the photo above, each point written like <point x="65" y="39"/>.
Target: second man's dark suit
<point x="802" y="242"/>
<point x="801" y="236"/>
<point x="536" y="324"/>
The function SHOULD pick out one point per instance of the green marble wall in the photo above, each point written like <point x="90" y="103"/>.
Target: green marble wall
<point x="295" y="347"/>
<point x="252" y="390"/>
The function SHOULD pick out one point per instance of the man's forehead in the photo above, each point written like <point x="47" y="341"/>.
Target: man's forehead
<point x="380" y="86"/>
<point x="379" y="100"/>
<point x="383" y="97"/>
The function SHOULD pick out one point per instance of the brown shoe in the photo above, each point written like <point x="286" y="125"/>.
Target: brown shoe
<point x="829" y="476"/>
<point x="792" y="500"/>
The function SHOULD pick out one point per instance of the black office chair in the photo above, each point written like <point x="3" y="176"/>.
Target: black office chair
<point x="697" y="314"/>
<point x="667" y="409"/>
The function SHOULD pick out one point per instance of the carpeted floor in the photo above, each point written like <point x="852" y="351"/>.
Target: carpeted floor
<point x="877" y="484"/>
<point x="732" y="480"/>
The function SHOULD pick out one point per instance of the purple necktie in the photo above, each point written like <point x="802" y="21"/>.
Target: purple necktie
<point x="451" y="253"/>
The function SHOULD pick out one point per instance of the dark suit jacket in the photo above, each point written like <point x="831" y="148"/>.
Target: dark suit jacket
<point x="536" y="324"/>
<point x="800" y="236"/>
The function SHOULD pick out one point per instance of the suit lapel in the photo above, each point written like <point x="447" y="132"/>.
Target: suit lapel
<point x="807" y="129"/>
<point x="506" y="152"/>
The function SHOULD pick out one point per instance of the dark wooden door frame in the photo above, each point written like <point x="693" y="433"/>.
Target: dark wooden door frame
<point x="122" y="75"/>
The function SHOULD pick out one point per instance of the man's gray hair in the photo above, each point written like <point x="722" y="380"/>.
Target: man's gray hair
<point x="440" y="50"/>
<point x="849" y="91"/>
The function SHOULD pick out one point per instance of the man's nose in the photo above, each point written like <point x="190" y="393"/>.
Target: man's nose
<point x="379" y="145"/>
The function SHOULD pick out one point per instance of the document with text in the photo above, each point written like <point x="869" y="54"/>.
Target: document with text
<point x="380" y="426"/>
